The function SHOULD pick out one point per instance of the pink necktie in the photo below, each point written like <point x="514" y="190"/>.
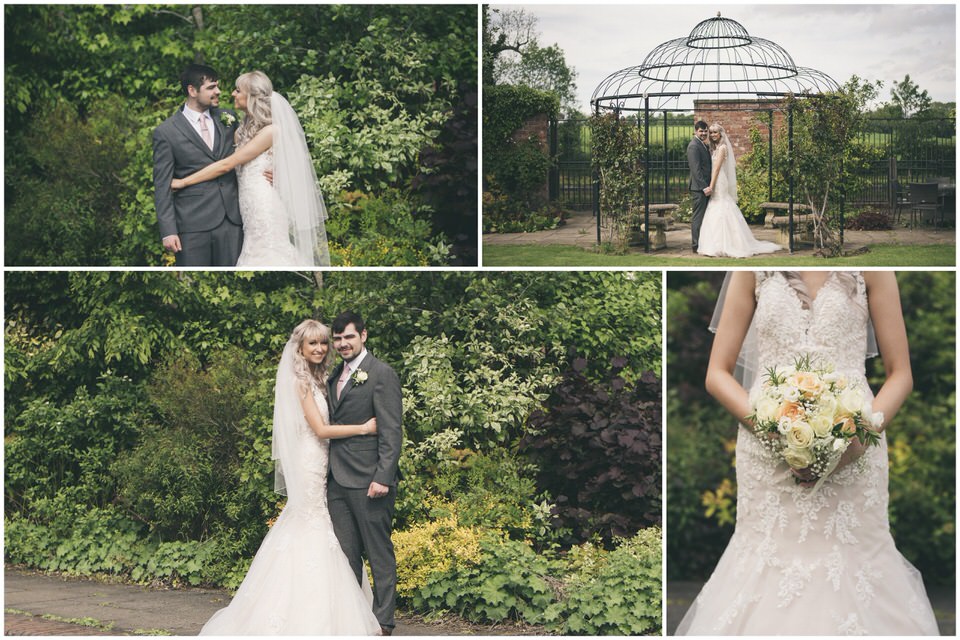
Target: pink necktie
<point x="342" y="382"/>
<point x="205" y="132"/>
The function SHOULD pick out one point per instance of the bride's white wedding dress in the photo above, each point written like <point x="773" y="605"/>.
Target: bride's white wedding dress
<point x="266" y="223"/>
<point x="283" y="223"/>
<point x="300" y="582"/>
<point x="724" y="231"/>
<point x="803" y="562"/>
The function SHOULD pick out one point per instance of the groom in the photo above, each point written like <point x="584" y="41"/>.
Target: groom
<point x="701" y="171"/>
<point x="202" y="223"/>
<point x="364" y="470"/>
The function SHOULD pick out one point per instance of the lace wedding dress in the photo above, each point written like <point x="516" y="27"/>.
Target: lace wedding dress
<point x="803" y="562"/>
<point x="266" y="239"/>
<point x="724" y="231"/>
<point x="300" y="582"/>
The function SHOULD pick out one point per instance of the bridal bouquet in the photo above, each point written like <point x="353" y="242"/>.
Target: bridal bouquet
<point x="808" y="415"/>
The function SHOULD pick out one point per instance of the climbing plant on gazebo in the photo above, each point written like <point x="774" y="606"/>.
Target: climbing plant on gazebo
<point x="827" y="154"/>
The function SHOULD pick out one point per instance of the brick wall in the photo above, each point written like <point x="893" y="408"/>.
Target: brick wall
<point x="738" y="116"/>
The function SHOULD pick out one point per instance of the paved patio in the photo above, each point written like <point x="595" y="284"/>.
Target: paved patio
<point x="581" y="230"/>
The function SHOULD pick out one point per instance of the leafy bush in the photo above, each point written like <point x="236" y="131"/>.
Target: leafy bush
<point x="515" y="168"/>
<point x="432" y="547"/>
<point x="389" y="229"/>
<point x="501" y="214"/>
<point x="65" y="188"/>
<point x="868" y="221"/>
<point x="188" y="477"/>
<point x="510" y="582"/>
<point x="618" y="593"/>
<point x="599" y="451"/>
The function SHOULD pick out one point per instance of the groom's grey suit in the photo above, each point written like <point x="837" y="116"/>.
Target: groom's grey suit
<point x="206" y="215"/>
<point x="363" y="525"/>
<point x="701" y="171"/>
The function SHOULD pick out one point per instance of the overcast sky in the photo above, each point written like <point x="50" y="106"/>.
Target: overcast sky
<point x="876" y="42"/>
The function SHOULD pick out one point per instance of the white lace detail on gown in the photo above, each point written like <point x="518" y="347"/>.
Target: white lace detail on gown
<point x="266" y="235"/>
<point x="799" y="562"/>
<point x="724" y="231"/>
<point x="300" y="582"/>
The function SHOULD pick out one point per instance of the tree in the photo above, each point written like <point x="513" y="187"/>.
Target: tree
<point x="827" y="151"/>
<point x="908" y="98"/>
<point x="513" y="55"/>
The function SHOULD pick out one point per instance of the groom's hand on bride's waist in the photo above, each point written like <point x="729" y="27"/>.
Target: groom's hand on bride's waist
<point x="377" y="490"/>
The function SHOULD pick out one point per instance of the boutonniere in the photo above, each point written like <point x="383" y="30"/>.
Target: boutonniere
<point x="359" y="377"/>
<point x="227" y="118"/>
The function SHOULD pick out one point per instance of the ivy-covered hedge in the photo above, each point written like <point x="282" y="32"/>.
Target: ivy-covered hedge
<point x="515" y="170"/>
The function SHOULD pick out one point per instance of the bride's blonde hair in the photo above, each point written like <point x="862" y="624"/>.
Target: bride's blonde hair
<point x="303" y="370"/>
<point x="718" y="127"/>
<point x="258" y="88"/>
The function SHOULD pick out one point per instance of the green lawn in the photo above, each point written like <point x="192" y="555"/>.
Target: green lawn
<point x="884" y="255"/>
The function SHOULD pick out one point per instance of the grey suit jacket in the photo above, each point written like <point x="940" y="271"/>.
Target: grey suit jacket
<point x="701" y="166"/>
<point x="357" y="461"/>
<point x="178" y="151"/>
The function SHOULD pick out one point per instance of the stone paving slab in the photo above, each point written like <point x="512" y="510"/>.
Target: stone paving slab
<point x="125" y="609"/>
<point x="581" y="230"/>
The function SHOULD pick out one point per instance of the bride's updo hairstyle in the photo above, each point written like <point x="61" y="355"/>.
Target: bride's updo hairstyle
<point x="304" y="371"/>
<point x="258" y="88"/>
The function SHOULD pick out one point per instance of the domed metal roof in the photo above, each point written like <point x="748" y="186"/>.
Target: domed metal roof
<point x="718" y="60"/>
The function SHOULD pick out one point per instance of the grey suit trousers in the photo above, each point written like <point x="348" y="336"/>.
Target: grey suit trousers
<point x="363" y="525"/>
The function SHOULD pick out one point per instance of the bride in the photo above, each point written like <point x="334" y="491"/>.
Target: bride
<point x="283" y="223"/>
<point x="300" y="582"/>
<point x="804" y="561"/>
<point x="724" y="231"/>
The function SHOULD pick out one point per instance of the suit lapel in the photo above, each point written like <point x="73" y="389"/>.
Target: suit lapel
<point x="332" y="386"/>
<point x="218" y="143"/>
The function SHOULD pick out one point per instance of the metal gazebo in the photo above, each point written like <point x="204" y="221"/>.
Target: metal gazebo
<point x="719" y="61"/>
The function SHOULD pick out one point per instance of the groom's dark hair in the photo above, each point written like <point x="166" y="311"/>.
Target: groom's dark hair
<point x="340" y="323"/>
<point x="194" y="75"/>
<point x="700" y="124"/>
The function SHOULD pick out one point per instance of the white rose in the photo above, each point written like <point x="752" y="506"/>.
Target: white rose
<point x="827" y="404"/>
<point x="784" y="425"/>
<point x="851" y="400"/>
<point x="766" y="409"/>
<point x="797" y="458"/>
<point x="821" y="425"/>
<point x="800" y="435"/>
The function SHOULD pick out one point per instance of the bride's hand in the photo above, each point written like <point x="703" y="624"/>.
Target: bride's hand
<point x="177" y="184"/>
<point x="804" y="477"/>
<point x="370" y="427"/>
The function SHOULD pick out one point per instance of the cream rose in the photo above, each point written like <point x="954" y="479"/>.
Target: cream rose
<point x="800" y="435"/>
<point x="851" y="400"/>
<point x="798" y="458"/>
<point x="807" y="382"/>
<point x="821" y="425"/>
<point x="766" y="409"/>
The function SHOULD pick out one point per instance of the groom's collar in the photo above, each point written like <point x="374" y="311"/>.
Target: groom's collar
<point x="354" y="364"/>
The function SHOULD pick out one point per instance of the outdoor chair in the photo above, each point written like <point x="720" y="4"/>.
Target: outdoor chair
<point x="901" y="198"/>
<point x="924" y="196"/>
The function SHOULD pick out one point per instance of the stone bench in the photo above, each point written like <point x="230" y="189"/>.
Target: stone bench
<point x="660" y="221"/>
<point x="802" y="229"/>
<point x="773" y="209"/>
